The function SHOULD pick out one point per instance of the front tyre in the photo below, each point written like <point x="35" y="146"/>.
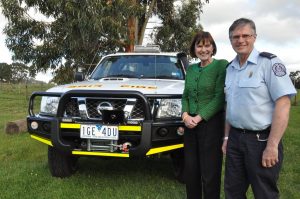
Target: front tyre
<point x="61" y="164"/>
<point x="177" y="157"/>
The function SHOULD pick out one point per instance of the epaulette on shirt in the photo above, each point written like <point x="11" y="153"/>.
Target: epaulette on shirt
<point x="278" y="68"/>
<point x="267" y="55"/>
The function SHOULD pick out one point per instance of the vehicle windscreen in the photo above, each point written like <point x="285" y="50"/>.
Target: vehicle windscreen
<point x="139" y="66"/>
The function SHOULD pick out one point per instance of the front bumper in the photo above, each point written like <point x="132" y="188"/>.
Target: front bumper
<point x="54" y="131"/>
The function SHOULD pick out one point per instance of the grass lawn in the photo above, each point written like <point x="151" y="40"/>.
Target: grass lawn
<point x="24" y="171"/>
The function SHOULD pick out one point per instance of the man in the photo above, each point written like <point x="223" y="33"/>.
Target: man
<point x="258" y="91"/>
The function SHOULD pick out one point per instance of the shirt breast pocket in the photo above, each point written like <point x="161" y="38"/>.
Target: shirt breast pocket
<point x="252" y="91"/>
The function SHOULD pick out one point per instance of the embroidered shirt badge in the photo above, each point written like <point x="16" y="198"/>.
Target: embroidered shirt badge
<point x="279" y="69"/>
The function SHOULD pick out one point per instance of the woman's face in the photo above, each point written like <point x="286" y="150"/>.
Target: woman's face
<point x="204" y="50"/>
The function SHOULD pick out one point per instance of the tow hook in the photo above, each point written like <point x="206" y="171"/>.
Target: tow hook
<point x="123" y="147"/>
<point x="126" y="146"/>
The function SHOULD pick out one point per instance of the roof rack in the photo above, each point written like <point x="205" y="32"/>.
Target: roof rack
<point x="147" y="49"/>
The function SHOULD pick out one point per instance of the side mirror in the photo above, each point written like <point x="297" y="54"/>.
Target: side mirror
<point x="183" y="58"/>
<point x="79" y="76"/>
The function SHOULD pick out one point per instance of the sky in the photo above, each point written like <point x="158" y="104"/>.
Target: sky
<point x="277" y="25"/>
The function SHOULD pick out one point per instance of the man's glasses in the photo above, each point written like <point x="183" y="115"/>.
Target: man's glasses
<point x="244" y="36"/>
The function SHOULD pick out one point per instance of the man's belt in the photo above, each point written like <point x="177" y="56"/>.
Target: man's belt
<point x="264" y="131"/>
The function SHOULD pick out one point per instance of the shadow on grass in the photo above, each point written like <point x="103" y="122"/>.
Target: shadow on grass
<point x="157" y="167"/>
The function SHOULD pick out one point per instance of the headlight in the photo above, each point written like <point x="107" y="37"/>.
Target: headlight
<point x="169" y="108"/>
<point x="49" y="105"/>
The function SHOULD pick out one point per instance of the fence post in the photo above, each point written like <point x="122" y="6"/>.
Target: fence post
<point x="26" y="90"/>
<point x="295" y="98"/>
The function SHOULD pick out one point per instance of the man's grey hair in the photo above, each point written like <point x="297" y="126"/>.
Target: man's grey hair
<point x="242" y="22"/>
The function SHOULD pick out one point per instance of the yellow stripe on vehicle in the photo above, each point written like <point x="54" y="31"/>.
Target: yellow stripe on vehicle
<point x="163" y="149"/>
<point x="123" y="155"/>
<point x="43" y="140"/>
<point x="69" y="126"/>
<point x="130" y="128"/>
<point x="150" y="152"/>
<point x="138" y="86"/>
<point x="121" y="128"/>
<point x="86" y="86"/>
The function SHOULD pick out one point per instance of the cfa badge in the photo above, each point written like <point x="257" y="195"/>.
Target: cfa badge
<point x="279" y="69"/>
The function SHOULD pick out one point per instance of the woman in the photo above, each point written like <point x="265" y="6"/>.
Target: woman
<point x="203" y="116"/>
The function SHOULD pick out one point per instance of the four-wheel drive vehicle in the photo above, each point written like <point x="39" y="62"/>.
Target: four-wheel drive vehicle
<point x="130" y="106"/>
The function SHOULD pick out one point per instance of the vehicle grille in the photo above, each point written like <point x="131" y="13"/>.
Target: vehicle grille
<point x="138" y="111"/>
<point x="72" y="107"/>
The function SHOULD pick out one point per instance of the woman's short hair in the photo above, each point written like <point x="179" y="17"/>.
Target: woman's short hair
<point x="202" y="36"/>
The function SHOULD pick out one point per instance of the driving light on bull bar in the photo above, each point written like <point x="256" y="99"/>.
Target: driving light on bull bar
<point x="163" y="132"/>
<point x="169" y="108"/>
<point x="180" y="131"/>
<point x="34" y="125"/>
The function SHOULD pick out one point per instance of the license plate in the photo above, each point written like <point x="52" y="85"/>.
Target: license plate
<point x="99" y="131"/>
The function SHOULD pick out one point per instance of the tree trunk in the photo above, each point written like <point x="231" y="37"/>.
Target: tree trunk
<point x="147" y="17"/>
<point x="131" y="31"/>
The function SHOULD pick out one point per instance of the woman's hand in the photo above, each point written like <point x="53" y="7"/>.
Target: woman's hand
<point x="197" y="119"/>
<point x="192" y="122"/>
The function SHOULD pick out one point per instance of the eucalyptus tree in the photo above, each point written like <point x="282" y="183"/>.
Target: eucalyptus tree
<point x="6" y="72"/>
<point x="80" y="32"/>
<point x="295" y="77"/>
<point x="14" y="73"/>
<point x="178" y="26"/>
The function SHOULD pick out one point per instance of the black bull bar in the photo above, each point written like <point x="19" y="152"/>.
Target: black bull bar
<point x="65" y="146"/>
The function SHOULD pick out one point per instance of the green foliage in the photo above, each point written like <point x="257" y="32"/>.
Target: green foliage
<point x="6" y="73"/>
<point x="178" y="28"/>
<point x="76" y="32"/>
<point x="80" y="32"/>
<point x="295" y="77"/>
<point x="64" y="74"/>
<point x="14" y="73"/>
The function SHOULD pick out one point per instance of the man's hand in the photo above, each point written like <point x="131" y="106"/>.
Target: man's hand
<point x="279" y="124"/>
<point x="270" y="157"/>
